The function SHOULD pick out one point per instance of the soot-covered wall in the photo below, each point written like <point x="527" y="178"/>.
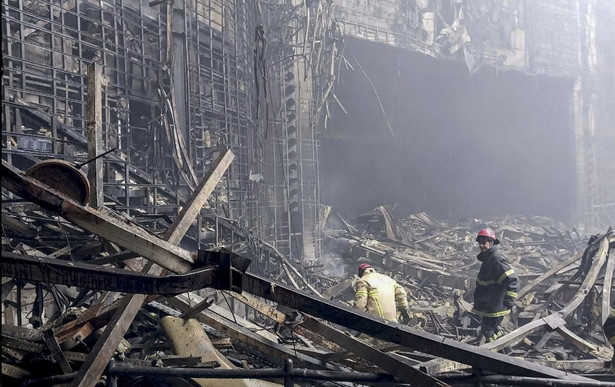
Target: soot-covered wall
<point x="464" y="146"/>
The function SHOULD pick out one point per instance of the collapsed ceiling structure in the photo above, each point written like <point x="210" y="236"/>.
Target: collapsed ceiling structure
<point x="161" y="180"/>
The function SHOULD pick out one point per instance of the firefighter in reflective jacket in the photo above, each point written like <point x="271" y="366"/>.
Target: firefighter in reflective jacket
<point x="609" y="332"/>
<point x="380" y="295"/>
<point x="496" y="286"/>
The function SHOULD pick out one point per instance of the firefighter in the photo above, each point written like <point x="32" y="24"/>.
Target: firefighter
<point x="609" y="332"/>
<point x="496" y="286"/>
<point x="380" y="295"/>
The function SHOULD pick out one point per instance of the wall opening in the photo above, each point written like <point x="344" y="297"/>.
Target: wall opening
<point x="459" y="145"/>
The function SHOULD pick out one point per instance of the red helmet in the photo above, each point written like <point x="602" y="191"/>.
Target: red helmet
<point x="488" y="233"/>
<point x="362" y="268"/>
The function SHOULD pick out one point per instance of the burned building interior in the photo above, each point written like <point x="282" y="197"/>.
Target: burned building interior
<point x="188" y="188"/>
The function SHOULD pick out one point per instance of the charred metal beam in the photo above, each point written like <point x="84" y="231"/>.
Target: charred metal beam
<point x="265" y="373"/>
<point x="242" y="333"/>
<point x="280" y="318"/>
<point x="501" y="380"/>
<point x="418" y="340"/>
<point x="390" y="364"/>
<point x="90" y="276"/>
<point x="56" y="351"/>
<point x="592" y="274"/>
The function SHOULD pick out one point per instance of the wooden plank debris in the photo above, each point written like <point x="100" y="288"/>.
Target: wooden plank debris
<point x="123" y="317"/>
<point x="56" y="351"/>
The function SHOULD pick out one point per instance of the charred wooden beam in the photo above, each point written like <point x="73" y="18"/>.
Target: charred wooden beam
<point x="94" y="131"/>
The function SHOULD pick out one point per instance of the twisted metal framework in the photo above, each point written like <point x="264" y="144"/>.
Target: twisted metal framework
<point x="181" y="83"/>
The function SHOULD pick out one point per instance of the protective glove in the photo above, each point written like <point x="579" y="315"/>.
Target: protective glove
<point x="405" y="317"/>
<point x="354" y="282"/>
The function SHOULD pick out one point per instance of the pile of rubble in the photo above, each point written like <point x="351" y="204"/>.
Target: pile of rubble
<point x="91" y="297"/>
<point x="436" y="262"/>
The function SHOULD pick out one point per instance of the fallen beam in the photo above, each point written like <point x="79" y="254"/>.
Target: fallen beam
<point x="557" y="317"/>
<point x="418" y="340"/>
<point x="526" y="289"/>
<point x="103" y="223"/>
<point x="424" y="342"/>
<point x="606" y="287"/>
<point x="118" y="280"/>
<point x="386" y="362"/>
<point x="246" y="336"/>
<point x="592" y="275"/>
<point x="103" y="350"/>
<point x="56" y="351"/>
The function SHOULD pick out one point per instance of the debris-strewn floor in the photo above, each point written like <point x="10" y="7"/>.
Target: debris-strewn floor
<point x="437" y="263"/>
<point x="51" y="329"/>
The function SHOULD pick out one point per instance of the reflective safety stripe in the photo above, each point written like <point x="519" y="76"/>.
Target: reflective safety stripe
<point x="487" y="314"/>
<point x="485" y="283"/>
<point x="361" y="293"/>
<point x="613" y="312"/>
<point x="373" y="294"/>
<point x="503" y="276"/>
<point x="512" y="294"/>
<point x="499" y="280"/>
<point x="612" y="340"/>
<point x="612" y="368"/>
